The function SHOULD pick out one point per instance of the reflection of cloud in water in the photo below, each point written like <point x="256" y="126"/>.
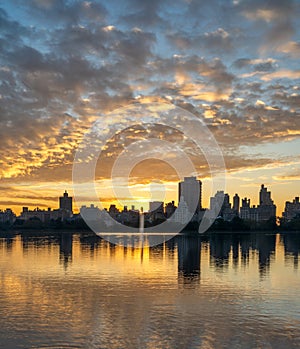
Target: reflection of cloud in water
<point x="112" y="296"/>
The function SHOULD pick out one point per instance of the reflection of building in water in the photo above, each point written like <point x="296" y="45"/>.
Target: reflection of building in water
<point x="89" y="242"/>
<point x="65" y="248"/>
<point x="265" y="245"/>
<point x="36" y="241"/>
<point x="189" y="251"/>
<point x="245" y="245"/>
<point x="291" y="246"/>
<point x="170" y="246"/>
<point x="220" y="245"/>
<point x="7" y="243"/>
<point x="235" y="250"/>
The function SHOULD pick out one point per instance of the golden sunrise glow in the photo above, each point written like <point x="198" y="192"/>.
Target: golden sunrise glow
<point x="244" y="87"/>
<point x="149" y="174"/>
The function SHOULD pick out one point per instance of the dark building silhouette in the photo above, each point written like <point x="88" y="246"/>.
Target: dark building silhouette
<point x="247" y="212"/>
<point x="65" y="248"/>
<point x="263" y="212"/>
<point x="7" y="216"/>
<point x="189" y="251"/>
<point x="66" y="202"/>
<point x="245" y="245"/>
<point x="220" y="206"/>
<point x="236" y="204"/>
<point x="170" y="209"/>
<point x="265" y="245"/>
<point x="291" y="247"/>
<point x="266" y="208"/>
<point x="113" y="211"/>
<point x="292" y="209"/>
<point x="190" y="189"/>
<point x="156" y="210"/>
<point x="220" y="246"/>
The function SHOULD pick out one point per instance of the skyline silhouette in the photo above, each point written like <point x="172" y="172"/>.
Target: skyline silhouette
<point x="234" y="65"/>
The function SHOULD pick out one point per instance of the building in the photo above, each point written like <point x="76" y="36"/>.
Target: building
<point x="182" y="214"/>
<point x="190" y="189"/>
<point x="66" y="202"/>
<point x="93" y="215"/>
<point x="44" y="215"/>
<point x="216" y="203"/>
<point x="226" y="211"/>
<point x="156" y="210"/>
<point x="292" y="209"/>
<point x="64" y="212"/>
<point x="266" y="208"/>
<point x="7" y="216"/>
<point x="170" y="208"/>
<point x="247" y="212"/>
<point x="236" y="204"/>
<point x="90" y="213"/>
<point x="263" y="212"/>
<point x="113" y="211"/>
<point x="220" y="206"/>
<point x="156" y="206"/>
<point x="129" y="217"/>
<point x="265" y="196"/>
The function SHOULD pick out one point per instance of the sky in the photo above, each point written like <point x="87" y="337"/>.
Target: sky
<point x="64" y="64"/>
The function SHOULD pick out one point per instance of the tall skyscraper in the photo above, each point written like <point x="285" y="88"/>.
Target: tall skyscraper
<point x="220" y="206"/>
<point x="265" y="196"/>
<point x="266" y="208"/>
<point x="66" y="202"/>
<point x="191" y="191"/>
<point x="236" y="203"/>
<point x="217" y="201"/>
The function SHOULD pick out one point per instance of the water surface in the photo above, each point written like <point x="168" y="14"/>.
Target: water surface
<point x="213" y="291"/>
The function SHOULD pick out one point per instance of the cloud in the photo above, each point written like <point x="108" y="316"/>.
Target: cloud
<point x="269" y="11"/>
<point x="217" y="41"/>
<point x="256" y="65"/>
<point x="290" y="48"/>
<point x="64" y="64"/>
<point x="144" y="14"/>
<point x="289" y="176"/>
<point x="282" y="74"/>
<point x="66" y="12"/>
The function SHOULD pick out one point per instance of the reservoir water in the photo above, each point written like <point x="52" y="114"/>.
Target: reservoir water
<point x="211" y="291"/>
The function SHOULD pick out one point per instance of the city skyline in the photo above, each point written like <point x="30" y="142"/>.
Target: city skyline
<point x="233" y="64"/>
<point x="149" y="173"/>
<point x="17" y="203"/>
<point x="231" y="205"/>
